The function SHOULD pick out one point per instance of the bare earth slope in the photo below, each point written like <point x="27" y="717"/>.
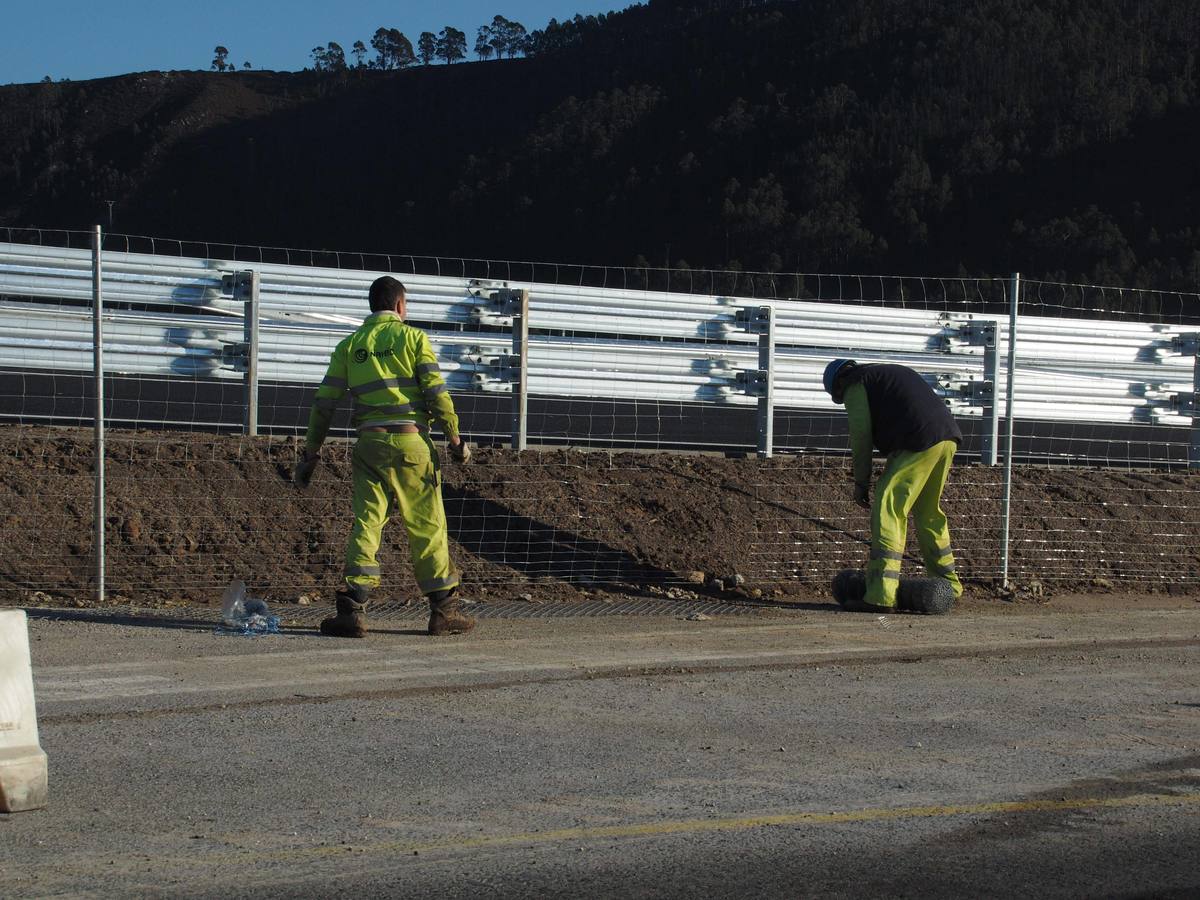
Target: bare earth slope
<point x="187" y="513"/>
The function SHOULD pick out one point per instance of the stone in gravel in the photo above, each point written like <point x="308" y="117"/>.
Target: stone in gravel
<point x="695" y="578"/>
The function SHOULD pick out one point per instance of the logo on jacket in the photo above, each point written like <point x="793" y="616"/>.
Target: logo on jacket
<point x="361" y="354"/>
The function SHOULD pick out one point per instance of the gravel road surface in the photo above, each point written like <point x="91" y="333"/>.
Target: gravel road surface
<point x="813" y="754"/>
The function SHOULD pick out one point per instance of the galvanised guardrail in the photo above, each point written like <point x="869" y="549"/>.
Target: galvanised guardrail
<point x="200" y="342"/>
<point x="177" y="317"/>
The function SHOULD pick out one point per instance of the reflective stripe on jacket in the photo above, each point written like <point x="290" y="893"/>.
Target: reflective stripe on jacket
<point x="390" y="371"/>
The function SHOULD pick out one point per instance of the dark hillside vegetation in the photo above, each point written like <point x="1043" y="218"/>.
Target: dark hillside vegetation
<point x="915" y="136"/>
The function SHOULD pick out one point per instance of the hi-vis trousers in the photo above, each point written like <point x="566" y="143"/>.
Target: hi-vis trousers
<point x="399" y="472"/>
<point x="911" y="482"/>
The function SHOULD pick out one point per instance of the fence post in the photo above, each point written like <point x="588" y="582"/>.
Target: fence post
<point x="764" y="322"/>
<point x="520" y="351"/>
<point x="246" y="287"/>
<point x="98" y="378"/>
<point x="1014" y="302"/>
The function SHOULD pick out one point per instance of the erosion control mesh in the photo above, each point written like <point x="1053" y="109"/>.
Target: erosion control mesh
<point x="189" y="513"/>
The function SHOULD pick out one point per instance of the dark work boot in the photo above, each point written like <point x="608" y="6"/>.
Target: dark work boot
<point x="445" y="617"/>
<point x="351" y="619"/>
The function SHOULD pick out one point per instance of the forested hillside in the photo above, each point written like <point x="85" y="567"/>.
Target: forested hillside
<point x="1057" y="137"/>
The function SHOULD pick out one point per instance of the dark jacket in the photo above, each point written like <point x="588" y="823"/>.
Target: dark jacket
<point x="905" y="412"/>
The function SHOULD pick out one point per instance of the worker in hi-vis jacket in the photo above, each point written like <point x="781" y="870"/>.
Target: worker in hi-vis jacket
<point x="892" y="409"/>
<point x="389" y="369"/>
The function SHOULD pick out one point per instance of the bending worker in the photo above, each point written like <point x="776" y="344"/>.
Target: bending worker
<point x="390" y="369"/>
<point x="891" y="408"/>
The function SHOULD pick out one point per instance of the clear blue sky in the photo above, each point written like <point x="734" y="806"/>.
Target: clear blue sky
<point x="80" y="40"/>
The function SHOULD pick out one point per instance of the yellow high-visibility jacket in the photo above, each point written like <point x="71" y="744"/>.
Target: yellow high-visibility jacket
<point x="390" y="370"/>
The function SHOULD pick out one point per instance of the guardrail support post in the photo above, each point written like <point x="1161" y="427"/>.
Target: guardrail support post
<point x="1194" y="448"/>
<point x="245" y="286"/>
<point x="98" y="377"/>
<point x="763" y="322"/>
<point x="1006" y="513"/>
<point x="991" y="378"/>
<point x="519" y="304"/>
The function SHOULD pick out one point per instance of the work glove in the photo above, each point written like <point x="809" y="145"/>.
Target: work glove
<point x="862" y="495"/>
<point x="460" y="452"/>
<point x="303" y="473"/>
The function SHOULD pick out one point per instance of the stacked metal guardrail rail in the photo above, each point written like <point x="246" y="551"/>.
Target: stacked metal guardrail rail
<point x="175" y="318"/>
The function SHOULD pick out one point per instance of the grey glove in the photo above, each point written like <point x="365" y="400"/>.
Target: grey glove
<point x="303" y="473"/>
<point x="460" y="452"/>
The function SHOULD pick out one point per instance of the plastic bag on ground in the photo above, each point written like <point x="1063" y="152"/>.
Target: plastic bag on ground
<point x="243" y="615"/>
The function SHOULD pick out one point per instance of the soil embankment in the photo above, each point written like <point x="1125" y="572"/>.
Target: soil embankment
<point x="186" y="513"/>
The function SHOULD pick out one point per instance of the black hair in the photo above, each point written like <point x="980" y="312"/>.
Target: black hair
<point x="385" y="292"/>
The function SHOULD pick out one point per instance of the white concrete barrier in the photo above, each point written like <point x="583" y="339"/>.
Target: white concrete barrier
<point x="22" y="762"/>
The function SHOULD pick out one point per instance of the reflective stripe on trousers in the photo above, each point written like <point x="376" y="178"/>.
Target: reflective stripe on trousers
<point x="399" y="472"/>
<point x="912" y="482"/>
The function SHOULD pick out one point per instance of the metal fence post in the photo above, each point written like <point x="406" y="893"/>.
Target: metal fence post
<point x="764" y="320"/>
<point x="98" y="377"/>
<point x="1014" y="302"/>
<point x="246" y="287"/>
<point x="520" y="352"/>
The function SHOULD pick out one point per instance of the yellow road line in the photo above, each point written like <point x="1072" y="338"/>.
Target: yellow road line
<point x="701" y="826"/>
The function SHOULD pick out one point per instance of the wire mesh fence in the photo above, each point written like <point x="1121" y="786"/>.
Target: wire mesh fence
<point x="621" y="364"/>
<point x="1105" y="436"/>
<point x="1130" y="519"/>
